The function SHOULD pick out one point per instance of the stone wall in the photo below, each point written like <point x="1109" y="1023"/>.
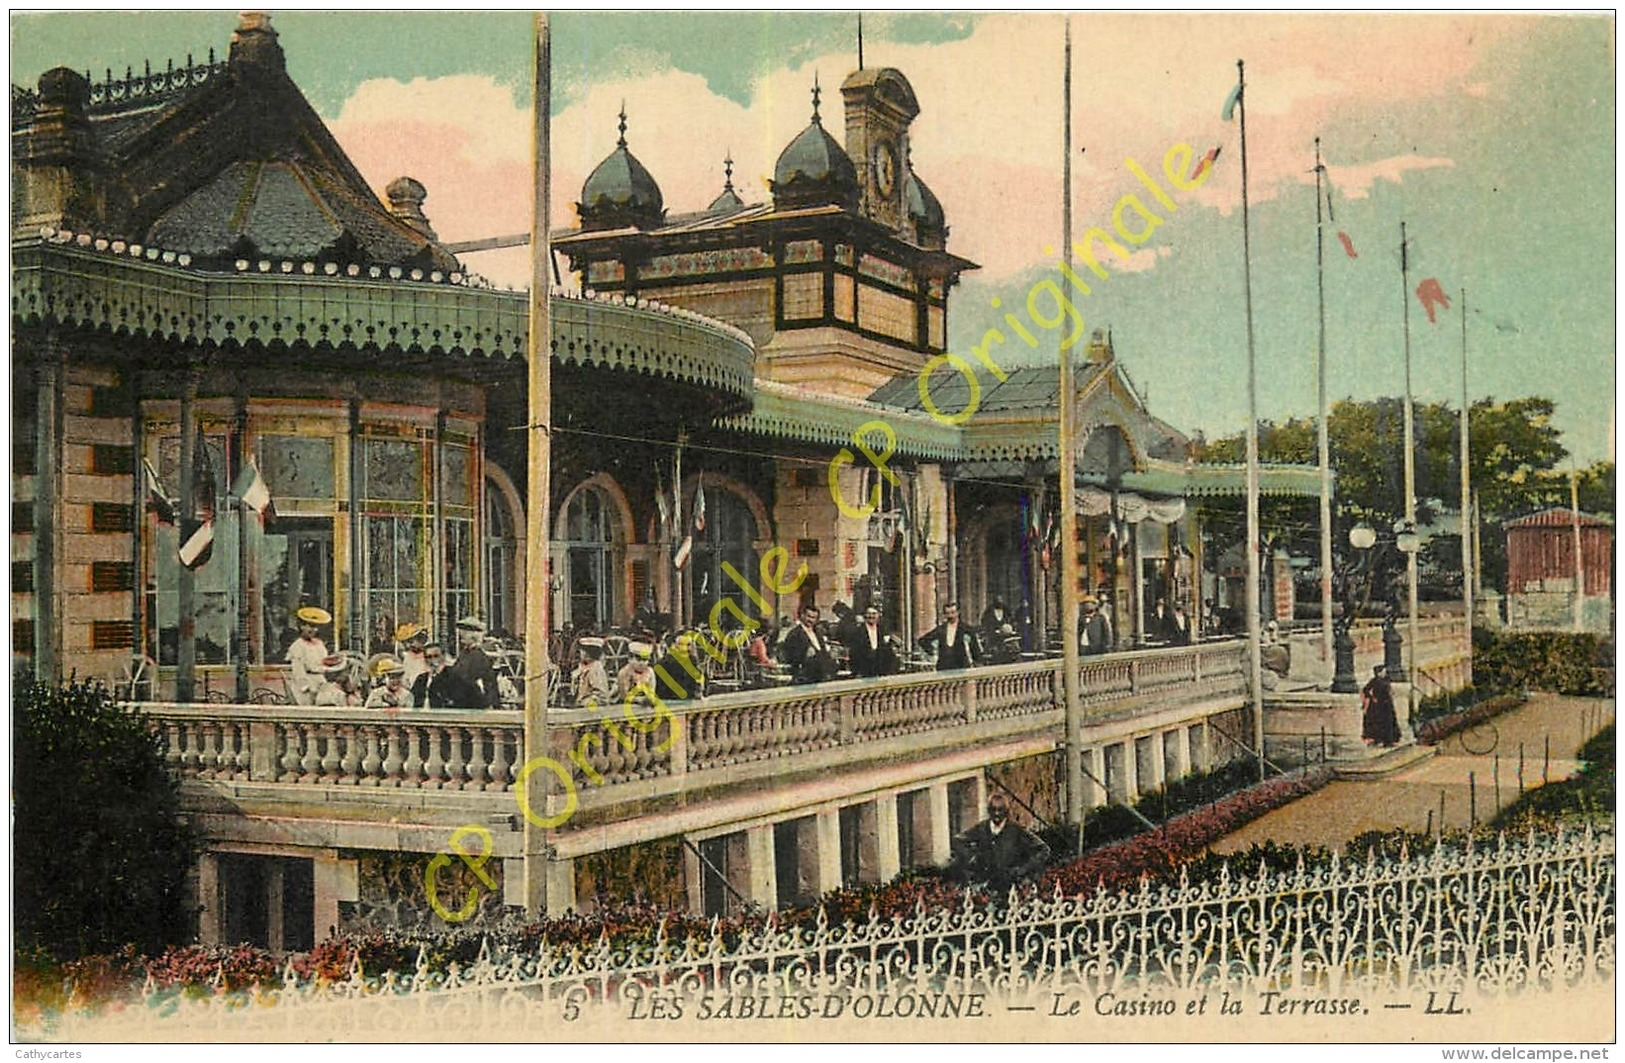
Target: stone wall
<point x="651" y="873"/>
<point x="392" y="894"/>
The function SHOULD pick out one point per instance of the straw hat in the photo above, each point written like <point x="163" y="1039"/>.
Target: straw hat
<point x="471" y="623"/>
<point x="409" y="631"/>
<point x="640" y="650"/>
<point x="311" y="614"/>
<point x="386" y="666"/>
<point x="334" y="664"/>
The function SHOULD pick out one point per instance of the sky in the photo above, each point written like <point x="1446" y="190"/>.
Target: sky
<point x="1491" y="136"/>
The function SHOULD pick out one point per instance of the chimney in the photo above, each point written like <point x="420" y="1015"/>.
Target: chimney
<point x="254" y="46"/>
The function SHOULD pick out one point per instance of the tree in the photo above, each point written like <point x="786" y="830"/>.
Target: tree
<point x="99" y="853"/>
<point x="1515" y="458"/>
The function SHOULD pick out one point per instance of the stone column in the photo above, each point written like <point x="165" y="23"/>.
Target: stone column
<point x="209" y="929"/>
<point x="1148" y="762"/>
<point x="334" y="880"/>
<point x="887" y="860"/>
<point x="275" y="894"/>
<point x="561" y="885"/>
<point x="1200" y="754"/>
<point x="1131" y="771"/>
<point x="762" y="870"/>
<point x="938" y="833"/>
<point x="1094" y="795"/>
<point x="826" y="852"/>
<point x="1176" y="755"/>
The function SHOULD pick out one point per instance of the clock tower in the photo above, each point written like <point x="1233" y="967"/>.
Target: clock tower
<point x="880" y="104"/>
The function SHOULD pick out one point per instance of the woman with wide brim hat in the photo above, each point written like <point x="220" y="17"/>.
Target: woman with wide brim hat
<point x="391" y="693"/>
<point x="306" y="655"/>
<point x="411" y="638"/>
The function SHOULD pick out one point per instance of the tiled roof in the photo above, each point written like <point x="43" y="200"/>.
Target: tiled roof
<point x="1558" y="518"/>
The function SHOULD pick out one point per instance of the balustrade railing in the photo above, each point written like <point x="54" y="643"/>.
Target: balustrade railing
<point x="470" y="751"/>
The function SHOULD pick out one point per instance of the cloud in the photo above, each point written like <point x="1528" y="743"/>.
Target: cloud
<point x="987" y="141"/>
<point x="1355" y="181"/>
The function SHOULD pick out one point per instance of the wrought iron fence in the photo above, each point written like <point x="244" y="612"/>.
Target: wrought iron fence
<point x="1528" y="913"/>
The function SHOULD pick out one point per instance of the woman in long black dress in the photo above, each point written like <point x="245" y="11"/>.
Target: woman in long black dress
<point x="1380" y="725"/>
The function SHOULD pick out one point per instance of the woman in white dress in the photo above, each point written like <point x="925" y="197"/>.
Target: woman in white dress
<point x="306" y="656"/>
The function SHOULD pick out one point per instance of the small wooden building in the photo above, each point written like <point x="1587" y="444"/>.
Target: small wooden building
<point x="1541" y="573"/>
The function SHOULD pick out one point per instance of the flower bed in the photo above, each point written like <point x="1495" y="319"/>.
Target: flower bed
<point x="1158" y="853"/>
<point x="1437" y="729"/>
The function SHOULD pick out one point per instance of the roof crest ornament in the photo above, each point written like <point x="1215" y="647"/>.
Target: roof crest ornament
<point x="621" y="143"/>
<point x="728" y="172"/>
<point x="816" y="93"/>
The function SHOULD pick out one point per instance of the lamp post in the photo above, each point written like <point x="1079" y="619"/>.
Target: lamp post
<point x="1371" y="548"/>
<point x="1362" y="538"/>
<point x="1408" y="543"/>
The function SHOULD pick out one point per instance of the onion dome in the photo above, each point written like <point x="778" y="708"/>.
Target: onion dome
<point x="815" y="170"/>
<point x="620" y="192"/>
<point x="729" y="199"/>
<point x="925" y="212"/>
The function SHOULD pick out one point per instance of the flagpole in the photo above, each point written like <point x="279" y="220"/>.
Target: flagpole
<point x="235" y="507"/>
<point x="1410" y="476"/>
<point x="1467" y="528"/>
<point x="1323" y="433"/>
<point x="186" y="579"/>
<point x="1255" y="666"/>
<point x="1068" y="501"/>
<point x="540" y="895"/>
<point x="1579" y="567"/>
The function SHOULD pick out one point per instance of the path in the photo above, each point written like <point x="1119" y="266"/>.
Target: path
<point x="1346" y="808"/>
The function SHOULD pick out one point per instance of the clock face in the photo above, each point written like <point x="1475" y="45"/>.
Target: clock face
<point x="885" y="168"/>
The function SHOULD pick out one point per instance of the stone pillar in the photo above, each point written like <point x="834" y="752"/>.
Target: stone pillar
<point x="887" y="860"/>
<point x="694" y="880"/>
<point x="335" y="880"/>
<point x="209" y="930"/>
<point x="275" y="895"/>
<point x="561" y="885"/>
<point x="938" y="833"/>
<point x="1131" y="770"/>
<point x="1148" y="762"/>
<point x="762" y="871"/>
<point x="826" y="852"/>
<point x="1119" y="775"/>
<point x="1200" y="754"/>
<point x="1176" y="762"/>
<point x="1094" y="762"/>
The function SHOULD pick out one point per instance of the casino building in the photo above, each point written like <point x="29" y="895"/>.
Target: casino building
<point x="195" y="259"/>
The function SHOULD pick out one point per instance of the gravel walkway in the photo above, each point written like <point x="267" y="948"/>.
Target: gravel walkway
<point x="1462" y="774"/>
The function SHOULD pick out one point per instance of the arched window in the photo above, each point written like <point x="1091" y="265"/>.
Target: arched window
<point x="590" y="563"/>
<point x="730" y="531"/>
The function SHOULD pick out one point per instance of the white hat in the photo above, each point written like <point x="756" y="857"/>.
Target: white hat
<point x="641" y="650"/>
<point x="471" y="623"/>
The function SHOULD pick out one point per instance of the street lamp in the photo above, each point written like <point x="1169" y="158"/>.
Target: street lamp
<point x="1371" y="548"/>
<point x="1408" y="543"/>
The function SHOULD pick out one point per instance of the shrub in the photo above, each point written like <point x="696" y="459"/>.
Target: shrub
<point x="99" y="855"/>
<point x="1559" y="661"/>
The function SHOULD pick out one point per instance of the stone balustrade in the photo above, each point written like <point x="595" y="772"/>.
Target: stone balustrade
<point x="733" y="736"/>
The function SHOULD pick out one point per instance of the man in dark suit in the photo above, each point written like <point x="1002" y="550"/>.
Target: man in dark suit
<point x="806" y="651"/>
<point x="997" y="851"/>
<point x="870" y="653"/>
<point x="473" y="667"/>
<point x="953" y="642"/>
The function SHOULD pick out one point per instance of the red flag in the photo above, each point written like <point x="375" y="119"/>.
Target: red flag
<point x="1207" y="160"/>
<point x="1432" y="297"/>
<point x="1348" y="245"/>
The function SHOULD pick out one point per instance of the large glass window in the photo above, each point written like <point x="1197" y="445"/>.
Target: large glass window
<point x="501" y="550"/>
<point x="393" y="578"/>
<point x="730" y="531"/>
<point x="215" y="581"/>
<point x="590" y="560"/>
<point x="296" y="570"/>
<point x="457" y="499"/>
